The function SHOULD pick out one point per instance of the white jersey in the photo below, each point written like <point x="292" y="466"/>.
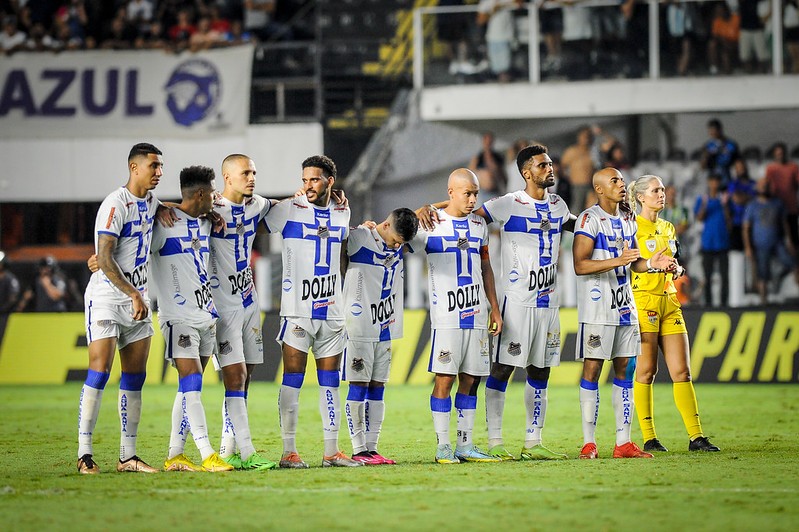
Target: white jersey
<point x="531" y="232"/>
<point x="129" y="219"/>
<point x="180" y="261"/>
<point x="455" y="278"/>
<point x="312" y="239"/>
<point x="373" y="287"/>
<point x="229" y="267"/>
<point x="606" y="298"/>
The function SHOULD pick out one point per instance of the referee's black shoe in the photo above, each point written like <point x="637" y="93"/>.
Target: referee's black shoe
<point x="702" y="444"/>
<point x="654" y="445"/>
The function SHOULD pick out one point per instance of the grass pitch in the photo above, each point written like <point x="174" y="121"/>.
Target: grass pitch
<point x="751" y="484"/>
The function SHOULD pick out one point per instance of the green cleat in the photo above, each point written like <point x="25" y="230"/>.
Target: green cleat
<point x="256" y="462"/>
<point x="499" y="451"/>
<point x="539" y="452"/>
<point x="234" y="460"/>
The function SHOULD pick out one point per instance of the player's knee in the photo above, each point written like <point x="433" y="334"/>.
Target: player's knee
<point x="681" y="375"/>
<point x="235" y="377"/>
<point x="538" y="374"/>
<point x="501" y="372"/>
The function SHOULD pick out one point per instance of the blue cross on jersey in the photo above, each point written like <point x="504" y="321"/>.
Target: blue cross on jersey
<point x="463" y="245"/>
<point x="322" y="234"/>
<point x="194" y="244"/>
<point x="141" y="230"/>
<point x="240" y="230"/>
<point x="614" y="245"/>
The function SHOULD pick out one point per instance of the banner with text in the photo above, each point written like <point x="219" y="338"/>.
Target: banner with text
<point x="125" y="93"/>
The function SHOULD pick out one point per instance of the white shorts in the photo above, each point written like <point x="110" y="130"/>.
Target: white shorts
<point x="752" y="43"/>
<point x="116" y="321"/>
<point x="365" y="361"/>
<point x="186" y="341"/>
<point x="238" y="334"/>
<point x="326" y="337"/>
<point x="607" y="342"/>
<point x="530" y="337"/>
<point x="456" y="351"/>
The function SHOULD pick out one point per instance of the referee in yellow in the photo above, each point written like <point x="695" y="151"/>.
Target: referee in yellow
<point x="661" y="321"/>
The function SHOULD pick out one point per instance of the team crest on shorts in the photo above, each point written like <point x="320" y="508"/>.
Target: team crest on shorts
<point x="553" y="340"/>
<point x="652" y="316"/>
<point x="257" y="332"/>
<point x="484" y="347"/>
<point x="184" y="341"/>
<point x="594" y="341"/>
<point x="224" y="348"/>
<point x="357" y="364"/>
<point x="298" y="331"/>
<point x="105" y="323"/>
<point x="545" y="224"/>
<point x="514" y="348"/>
<point x="445" y="357"/>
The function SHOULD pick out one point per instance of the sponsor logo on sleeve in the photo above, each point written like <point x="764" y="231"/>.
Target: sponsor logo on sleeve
<point x="110" y="218"/>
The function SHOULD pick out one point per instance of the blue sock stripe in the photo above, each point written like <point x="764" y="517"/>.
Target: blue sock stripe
<point x="622" y="383"/>
<point x="496" y="384"/>
<point x="133" y="382"/>
<point x="96" y="379"/>
<point x="235" y="393"/>
<point x="588" y="385"/>
<point x="375" y="394"/>
<point x="440" y="405"/>
<point x="540" y="385"/>
<point x="465" y="402"/>
<point x="328" y="378"/>
<point x="356" y="393"/>
<point x="192" y="383"/>
<point x="293" y="380"/>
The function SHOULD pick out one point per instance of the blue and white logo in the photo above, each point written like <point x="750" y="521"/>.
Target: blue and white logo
<point x="513" y="276"/>
<point x="596" y="294"/>
<point x="287" y="285"/>
<point x="193" y="91"/>
<point x="356" y="309"/>
<point x="179" y="299"/>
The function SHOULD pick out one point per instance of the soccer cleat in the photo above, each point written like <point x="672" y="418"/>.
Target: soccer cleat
<point x="630" y="450"/>
<point x="340" y="460"/>
<point x="234" y="460"/>
<point x="499" y="451"/>
<point x="444" y="455"/>
<point x="292" y="461"/>
<point x="256" y="462"/>
<point x="87" y="466"/>
<point x="654" y="445"/>
<point x="367" y="458"/>
<point x="539" y="452"/>
<point x="702" y="444"/>
<point x="383" y="459"/>
<point x="589" y="452"/>
<point x="134" y="464"/>
<point x="180" y="463"/>
<point x="215" y="464"/>
<point x="473" y="454"/>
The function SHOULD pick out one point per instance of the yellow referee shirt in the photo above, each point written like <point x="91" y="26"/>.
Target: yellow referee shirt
<point x="651" y="238"/>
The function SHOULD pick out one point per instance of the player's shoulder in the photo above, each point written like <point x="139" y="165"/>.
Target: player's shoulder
<point x="556" y="203"/>
<point x="664" y="226"/>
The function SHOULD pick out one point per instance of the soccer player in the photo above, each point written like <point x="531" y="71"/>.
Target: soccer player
<point x="238" y="330"/>
<point x="373" y="299"/>
<point x="117" y="307"/>
<point x="661" y="321"/>
<point x="314" y="230"/>
<point x="460" y="282"/>
<point x="605" y="250"/>
<point x="187" y="314"/>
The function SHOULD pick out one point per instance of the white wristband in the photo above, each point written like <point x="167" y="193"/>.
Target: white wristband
<point x="648" y="264"/>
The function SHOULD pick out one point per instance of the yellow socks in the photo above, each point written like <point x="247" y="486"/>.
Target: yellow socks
<point x="645" y="408"/>
<point x="685" y="399"/>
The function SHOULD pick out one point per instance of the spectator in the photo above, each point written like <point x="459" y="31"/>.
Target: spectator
<point x="614" y="157"/>
<point x="790" y="34"/>
<point x="578" y="165"/>
<point x="782" y="177"/>
<point x="511" y="168"/>
<point x="180" y="33"/>
<point x="683" y="22"/>
<point x="676" y="213"/>
<point x="764" y="235"/>
<point x="237" y="35"/>
<point x="713" y="209"/>
<point x="73" y="15"/>
<point x="219" y="23"/>
<point x="11" y="39"/>
<point x="39" y="40"/>
<point x="49" y="289"/>
<point x="154" y="38"/>
<point x="140" y="15"/>
<point x="489" y="166"/>
<point x="205" y="37"/>
<point x="9" y="288"/>
<point x="497" y="17"/>
<point x="719" y="151"/>
<point x="724" y="35"/>
<point x="119" y="35"/>
<point x="552" y="33"/>
<point x="752" y="40"/>
<point x="741" y="190"/>
<point x="259" y="19"/>
<point x="576" y="36"/>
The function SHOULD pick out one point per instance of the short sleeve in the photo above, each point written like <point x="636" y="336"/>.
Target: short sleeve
<point x="496" y="209"/>
<point x="110" y="217"/>
<point x="277" y="216"/>
<point x="586" y="225"/>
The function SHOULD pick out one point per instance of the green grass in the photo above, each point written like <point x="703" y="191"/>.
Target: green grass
<point x="751" y="484"/>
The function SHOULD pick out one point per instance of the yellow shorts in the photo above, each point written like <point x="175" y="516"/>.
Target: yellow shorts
<point x="659" y="314"/>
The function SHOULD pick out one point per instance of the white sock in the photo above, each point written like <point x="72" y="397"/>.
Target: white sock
<point x="330" y="410"/>
<point x="288" y="403"/>
<point x="180" y="427"/>
<point x="623" y="407"/>
<point x="199" y="428"/>
<point x="535" y="402"/>
<point x="129" y="416"/>
<point x="441" y="409"/>
<point x="356" y="414"/>
<point x="373" y="421"/>
<point x="88" y="410"/>
<point x="466" y="407"/>
<point x="227" y="443"/>
<point x="236" y="407"/>
<point x="589" y="407"/>
<point x="495" y="407"/>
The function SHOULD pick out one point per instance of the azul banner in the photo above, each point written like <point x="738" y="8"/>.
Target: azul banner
<point x="125" y="93"/>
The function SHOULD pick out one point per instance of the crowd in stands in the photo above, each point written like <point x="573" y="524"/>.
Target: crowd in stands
<point x="171" y="25"/>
